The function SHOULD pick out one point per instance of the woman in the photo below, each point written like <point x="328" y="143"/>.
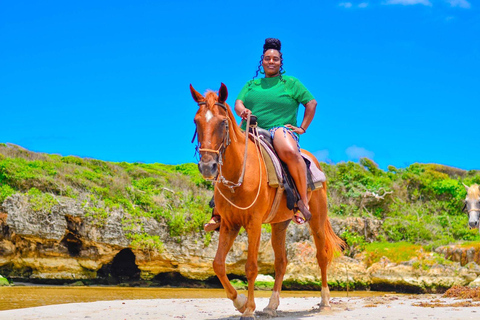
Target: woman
<point x="275" y="100"/>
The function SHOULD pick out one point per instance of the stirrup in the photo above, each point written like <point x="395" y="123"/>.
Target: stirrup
<point x="303" y="209"/>
<point x="298" y="218"/>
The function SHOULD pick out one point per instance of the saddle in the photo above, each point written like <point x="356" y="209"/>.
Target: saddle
<point x="278" y="175"/>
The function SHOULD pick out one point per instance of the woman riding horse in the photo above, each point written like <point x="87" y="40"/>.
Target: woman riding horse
<point x="275" y="100"/>
<point x="244" y="199"/>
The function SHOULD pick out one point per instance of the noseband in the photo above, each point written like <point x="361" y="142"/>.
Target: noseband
<point x="471" y="210"/>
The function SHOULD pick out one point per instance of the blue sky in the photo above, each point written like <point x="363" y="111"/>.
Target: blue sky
<point x="395" y="80"/>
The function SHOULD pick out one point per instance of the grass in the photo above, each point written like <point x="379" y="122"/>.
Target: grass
<point x="395" y="252"/>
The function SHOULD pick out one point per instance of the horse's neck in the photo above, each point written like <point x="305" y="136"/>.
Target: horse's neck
<point x="234" y="155"/>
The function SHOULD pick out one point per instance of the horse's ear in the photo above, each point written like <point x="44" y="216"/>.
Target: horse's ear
<point x="195" y="95"/>
<point x="466" y="187"/>
<point x="222" y="93"/>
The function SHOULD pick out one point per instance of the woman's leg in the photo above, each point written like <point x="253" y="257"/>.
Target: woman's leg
<point x="214" y="223"/>
<point x="287" y="150"/>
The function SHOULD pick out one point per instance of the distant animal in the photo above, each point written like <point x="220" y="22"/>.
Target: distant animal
<point x="472" y="205"/>
<point x="247" y="203"/>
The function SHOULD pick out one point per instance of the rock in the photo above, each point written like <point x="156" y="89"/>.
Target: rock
<point x="462" y="254"/>
<point x="475" y="283"/>
<point x="367" y="227"/>
<point x="24" y="221"/>
<point x="66" y="243"/>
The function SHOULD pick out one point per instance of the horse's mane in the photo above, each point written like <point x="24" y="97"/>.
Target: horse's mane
<point x="210" y="98"/>
<point x="474" y="192"/>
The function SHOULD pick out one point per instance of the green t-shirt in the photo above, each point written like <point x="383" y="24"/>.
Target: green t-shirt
<point x="275" y="102"/>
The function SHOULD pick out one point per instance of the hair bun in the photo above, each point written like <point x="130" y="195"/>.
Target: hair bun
<point x="272" y="43"/>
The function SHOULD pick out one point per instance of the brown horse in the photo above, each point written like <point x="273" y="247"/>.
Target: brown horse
<point x="246" y="204"/>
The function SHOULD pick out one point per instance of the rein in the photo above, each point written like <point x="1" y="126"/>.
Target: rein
<point x="259" y="157"/>
<point x="226" y="141"/>
<point x="230" y="184"/>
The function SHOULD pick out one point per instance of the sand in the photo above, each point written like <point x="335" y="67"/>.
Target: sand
<point x="370" y="308"/>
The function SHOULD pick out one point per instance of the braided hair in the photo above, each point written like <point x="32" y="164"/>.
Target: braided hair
<point x="271" y="43"/>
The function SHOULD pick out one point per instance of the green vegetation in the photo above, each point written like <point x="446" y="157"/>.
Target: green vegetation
<point x="259" y="285"/>
<point x="395" y="252"/>
<point x="419" y="205"/>
<point x="4" y="281"/>
<point x="175" y="195"/>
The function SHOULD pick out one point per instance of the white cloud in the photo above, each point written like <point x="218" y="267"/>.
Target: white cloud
<point x="345" y="4"/>
<point x="459" y="3"/>
<point x="355" y="153"/>
<point x="409" y="2"/>
<point x="322" y="155"/>
<point x="363" y="5"/>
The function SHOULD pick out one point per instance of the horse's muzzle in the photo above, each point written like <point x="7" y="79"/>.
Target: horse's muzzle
<point x="473" y="224"/>
<point x="209" y="169"/>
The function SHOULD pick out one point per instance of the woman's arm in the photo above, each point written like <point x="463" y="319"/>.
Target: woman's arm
<point x="310" y="108"/>
<point x="241" y="110"/>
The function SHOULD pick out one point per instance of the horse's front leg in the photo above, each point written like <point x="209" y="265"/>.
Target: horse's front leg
<point x="251" y="269"/>
<point x="279" y="231"/>
<point x="225" y="242"/>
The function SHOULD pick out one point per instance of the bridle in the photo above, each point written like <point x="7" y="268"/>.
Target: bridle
<point x="226" y="140"/>
<point x="220" y="152"/>
<point x="470" y="210"/>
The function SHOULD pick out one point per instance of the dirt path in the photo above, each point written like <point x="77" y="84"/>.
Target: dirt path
<point x="372" y="308"/>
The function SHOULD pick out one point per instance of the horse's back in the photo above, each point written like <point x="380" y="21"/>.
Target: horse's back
<point x="308" y="153"/>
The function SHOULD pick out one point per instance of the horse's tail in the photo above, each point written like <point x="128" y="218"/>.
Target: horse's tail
<point x="333" y="244"/>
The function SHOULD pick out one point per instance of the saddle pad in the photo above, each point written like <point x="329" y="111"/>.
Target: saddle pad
<point x="274" y="170"/>
<point x="318" y="176"/>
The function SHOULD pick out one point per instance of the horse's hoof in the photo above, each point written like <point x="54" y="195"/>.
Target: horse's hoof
<point x="270" y="312"/>
<point x="240" y="303"/>
<point x="325" y="308"/>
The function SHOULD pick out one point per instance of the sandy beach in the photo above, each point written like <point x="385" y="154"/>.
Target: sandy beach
<point x="385" y="307"/>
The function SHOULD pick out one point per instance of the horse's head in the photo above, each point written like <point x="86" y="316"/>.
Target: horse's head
<point x="472" y="205"/>
<point x="212" y="129"/>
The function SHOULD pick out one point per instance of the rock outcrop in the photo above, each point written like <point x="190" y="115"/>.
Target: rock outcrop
<point x="462" y="254"/>
<point x="66" y="244"/>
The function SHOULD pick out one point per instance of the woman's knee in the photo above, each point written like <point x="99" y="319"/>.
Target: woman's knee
<point x="289" y="155"/>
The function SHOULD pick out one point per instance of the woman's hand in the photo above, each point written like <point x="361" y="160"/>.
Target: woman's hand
<point x="298" y="130"/>
<point x="244" y="114"/>
<point x="241" y="110"/>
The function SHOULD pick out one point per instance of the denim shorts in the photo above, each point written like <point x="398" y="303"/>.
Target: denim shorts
<point x="285" y="131"/>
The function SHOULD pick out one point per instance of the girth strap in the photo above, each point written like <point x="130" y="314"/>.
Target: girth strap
<point x="275" y="204"/>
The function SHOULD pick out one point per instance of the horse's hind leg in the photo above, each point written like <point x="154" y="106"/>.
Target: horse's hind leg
<point x="225" y="242"/>
<point x="279" y="231"/>
<point x="318" y="207"/>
